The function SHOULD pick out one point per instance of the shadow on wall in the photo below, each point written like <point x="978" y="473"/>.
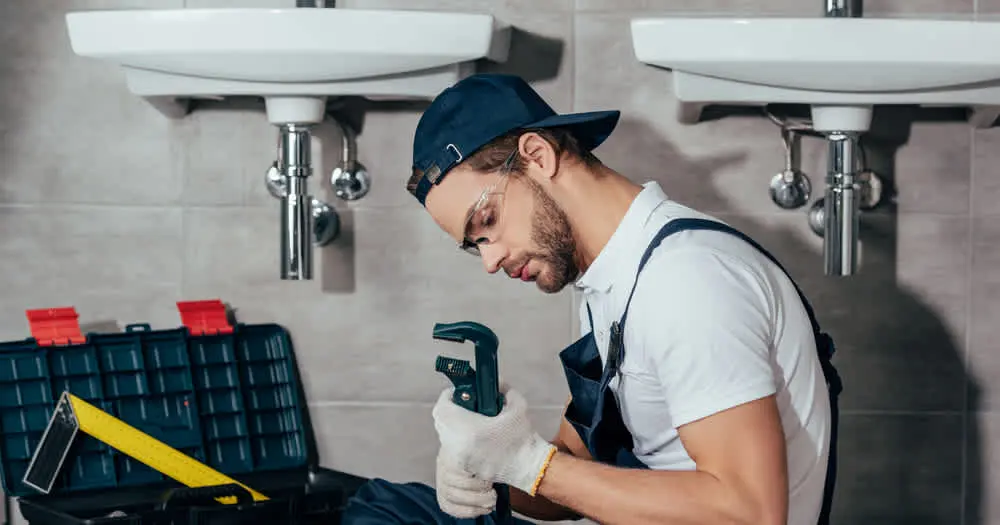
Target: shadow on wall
<point x="902" y="411"/>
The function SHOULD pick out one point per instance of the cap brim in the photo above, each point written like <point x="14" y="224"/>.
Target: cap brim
<point x="590" y="128"/>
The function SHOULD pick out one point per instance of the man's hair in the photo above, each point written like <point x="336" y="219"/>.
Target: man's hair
<point x="491" y="156"/>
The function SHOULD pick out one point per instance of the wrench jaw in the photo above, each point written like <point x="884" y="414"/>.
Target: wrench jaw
<point x="462" y="375"/>
<point x="484" y="396"/>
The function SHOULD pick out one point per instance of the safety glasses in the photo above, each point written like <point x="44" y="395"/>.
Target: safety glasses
<point x="483" y="222"/>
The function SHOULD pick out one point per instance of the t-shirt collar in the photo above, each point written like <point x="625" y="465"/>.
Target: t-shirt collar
<point x="624" y="241"/>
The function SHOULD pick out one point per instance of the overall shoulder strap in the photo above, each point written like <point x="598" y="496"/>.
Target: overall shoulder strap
<point x="823" y="341"/>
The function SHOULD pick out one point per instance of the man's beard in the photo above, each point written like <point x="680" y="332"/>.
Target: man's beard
<point x="553" y="236"/>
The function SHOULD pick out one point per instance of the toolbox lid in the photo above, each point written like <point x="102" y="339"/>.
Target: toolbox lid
<point x="229" y="396"/>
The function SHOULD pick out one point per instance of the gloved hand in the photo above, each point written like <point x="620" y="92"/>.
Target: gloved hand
<point x="461" y="494"/>
<point x="503" y="449"/>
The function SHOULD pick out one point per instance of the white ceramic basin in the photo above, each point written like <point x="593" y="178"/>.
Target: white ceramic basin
<point x="282" y="53"/>
<point x="830" y="63"/>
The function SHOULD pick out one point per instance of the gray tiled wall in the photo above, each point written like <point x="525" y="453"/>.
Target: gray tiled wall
<point x="107" y="206"/>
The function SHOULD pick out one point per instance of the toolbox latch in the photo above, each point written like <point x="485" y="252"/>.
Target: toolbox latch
<point x="55" y="326"/>
<point x="206" y="317"/>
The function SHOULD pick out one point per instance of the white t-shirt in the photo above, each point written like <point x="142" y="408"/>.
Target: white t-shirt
<point x="713" y="324"/>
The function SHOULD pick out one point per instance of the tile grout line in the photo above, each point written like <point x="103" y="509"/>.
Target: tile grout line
<point x="400" y="404"/>
<point x="970" y="265"/>
<point x="412" y="404"/>
<point x="81" y="205"/>
<point x="184" y="239"/>
<point x="428" y="404"/>
<point x="902" y="413"/>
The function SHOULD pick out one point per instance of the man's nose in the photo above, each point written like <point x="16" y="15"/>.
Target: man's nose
<point x="492" y="257"/>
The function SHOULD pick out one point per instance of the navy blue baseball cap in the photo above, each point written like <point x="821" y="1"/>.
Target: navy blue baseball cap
<point x="481" y="108"/>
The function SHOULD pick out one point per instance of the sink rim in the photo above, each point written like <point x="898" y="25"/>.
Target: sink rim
<point x="315" y="45"/>
<point x="873" y="55"/>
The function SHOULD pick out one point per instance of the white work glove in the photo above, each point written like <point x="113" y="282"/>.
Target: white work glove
<point x="503" y="449"/>
<point x="461" y="494"/>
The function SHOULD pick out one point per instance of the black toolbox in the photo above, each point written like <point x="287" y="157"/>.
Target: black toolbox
<point x="227" y="394"/>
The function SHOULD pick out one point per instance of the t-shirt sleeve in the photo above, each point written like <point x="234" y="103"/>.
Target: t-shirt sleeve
<point x="704" y="330"/>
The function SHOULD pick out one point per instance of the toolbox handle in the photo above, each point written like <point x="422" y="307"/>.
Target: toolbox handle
<point x="201" y="495"/>
<point x="138" y="327"/>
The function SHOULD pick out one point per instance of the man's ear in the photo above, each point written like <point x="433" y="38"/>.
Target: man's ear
<point x="539" y="154"/>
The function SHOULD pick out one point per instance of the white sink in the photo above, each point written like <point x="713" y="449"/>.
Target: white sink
<point x="294" y="58"/>
<point x="840" y="66"/>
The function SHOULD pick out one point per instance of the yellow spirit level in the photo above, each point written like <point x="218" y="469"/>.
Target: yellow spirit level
<point x="73" y="415"/>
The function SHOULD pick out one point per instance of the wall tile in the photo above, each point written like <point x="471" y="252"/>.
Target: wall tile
<point x="463" y="5"/>
<point x="986" y="172"/>
<point x="777" y="7"/>
<point x="780" y="7"/>
<point x="984" y="360"/>
<point x="899" y="469"/>
<point x="982" y="501"/>
<point x="211" y="4"/>
<point x="988" y="7"/>
<point x="921" y="8"/>
<point x="70" y="124"/>
<point x="115" y="265"/>
<point x="899" y="324"/>
<point x="932" y="171"/>
<point x="374" y="321"/>
<point x="212" y="156"/>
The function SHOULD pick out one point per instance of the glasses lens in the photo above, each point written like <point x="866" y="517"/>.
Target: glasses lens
<point x="470" y="248"/>
<point x="484" y="222"/>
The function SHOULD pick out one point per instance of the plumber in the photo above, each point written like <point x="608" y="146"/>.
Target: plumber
<point x="702" y="391"/>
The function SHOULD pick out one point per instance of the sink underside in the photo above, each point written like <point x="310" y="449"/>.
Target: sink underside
<point x="824" y="61"/>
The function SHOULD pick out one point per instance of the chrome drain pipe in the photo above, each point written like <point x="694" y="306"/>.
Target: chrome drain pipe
<point x="295" y="164"/>
<point x="841" y="206"/>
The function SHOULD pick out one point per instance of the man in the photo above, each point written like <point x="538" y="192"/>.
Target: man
<point x="702" y="391"/>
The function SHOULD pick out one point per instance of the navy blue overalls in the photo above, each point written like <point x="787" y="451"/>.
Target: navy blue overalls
<point x="593" y="412"/>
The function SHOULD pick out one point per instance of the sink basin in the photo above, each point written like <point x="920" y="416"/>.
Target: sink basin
<point x="840" y="66"/>
<point x="294" y="58"/>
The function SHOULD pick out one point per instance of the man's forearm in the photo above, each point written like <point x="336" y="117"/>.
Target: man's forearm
<point x="612" y="495"/>
<point x="539" y="508"/>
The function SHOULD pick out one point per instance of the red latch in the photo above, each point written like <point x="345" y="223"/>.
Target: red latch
<point x="206" y="317"/>
<point x="55" y="326"/>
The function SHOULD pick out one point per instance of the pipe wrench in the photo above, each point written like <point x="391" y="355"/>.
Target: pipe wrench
<point x="476" y="389"/>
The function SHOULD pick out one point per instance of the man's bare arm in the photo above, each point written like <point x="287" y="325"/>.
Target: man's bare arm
<point x="741" y="477"/>
<point x="539" y="507"/>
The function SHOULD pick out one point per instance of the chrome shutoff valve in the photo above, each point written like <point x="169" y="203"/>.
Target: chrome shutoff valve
<point x="791" y="188"/>
<point x="351" y="181"/>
